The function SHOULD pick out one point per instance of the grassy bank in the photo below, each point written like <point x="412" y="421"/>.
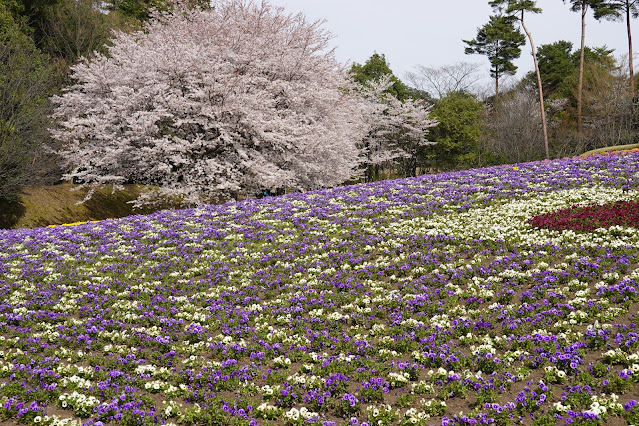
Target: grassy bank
<point x="55" y="205"/>
<point x="611" y="149"/>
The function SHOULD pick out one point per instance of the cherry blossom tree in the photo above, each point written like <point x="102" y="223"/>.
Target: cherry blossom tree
<point x="397" y="130"/>
<point x="201" y="102"/>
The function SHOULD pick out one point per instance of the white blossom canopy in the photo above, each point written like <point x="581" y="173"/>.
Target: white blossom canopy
<point x="237" y="98"/>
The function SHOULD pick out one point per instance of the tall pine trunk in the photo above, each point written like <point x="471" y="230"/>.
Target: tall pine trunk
<point x="630" y="63"/>
<point x="584" y="8"/>
<point x="544" y="129"/>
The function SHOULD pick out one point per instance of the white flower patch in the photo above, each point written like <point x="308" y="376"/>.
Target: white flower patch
<point x="617" y="356"/>
<point x="77" y="381"/>
<point x="398" y="379"/>
<point x="82" y="405"/>
<point x="281" y="361"/>
<point x="267" y="408"/>
<point x="412" y="322"/>
<point x="421" y="388"/>
<point x="303" y="413"/>
<point x="156" y="386"/>
<point x="54" y="420"/>
<point x="415" y="416"/>
<point x="387" y="353"/>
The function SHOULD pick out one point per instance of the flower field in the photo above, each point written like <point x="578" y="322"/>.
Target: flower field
<point x="424" y="301"/>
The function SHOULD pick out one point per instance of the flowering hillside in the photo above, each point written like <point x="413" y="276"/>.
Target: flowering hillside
<point x="430" y="300"/>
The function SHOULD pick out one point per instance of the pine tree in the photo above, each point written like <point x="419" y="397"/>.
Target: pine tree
<point x="376" y="68"/>
<point x="501" y="42"/>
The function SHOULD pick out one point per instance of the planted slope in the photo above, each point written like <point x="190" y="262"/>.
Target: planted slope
<point x="406" y="301"/>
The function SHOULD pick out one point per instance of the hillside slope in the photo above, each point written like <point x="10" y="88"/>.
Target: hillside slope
<point x="423" y="301"/>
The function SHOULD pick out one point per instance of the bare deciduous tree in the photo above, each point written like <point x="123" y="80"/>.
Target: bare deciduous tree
<point x="514" y="127"/>
<point x="441" y="81"/>
<point x="607" y="112"/>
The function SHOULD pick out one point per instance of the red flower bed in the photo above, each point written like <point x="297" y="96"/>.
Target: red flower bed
<point x="589" y="218"/>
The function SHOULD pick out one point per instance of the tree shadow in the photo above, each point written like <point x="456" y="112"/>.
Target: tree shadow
<point x="106" y="205"/>
<point x="10" y="213"/>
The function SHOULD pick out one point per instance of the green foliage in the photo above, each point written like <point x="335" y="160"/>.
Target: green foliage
<point x="544" y="420"/>
<point x="600" y="369"/>
<point x="29" y="14"/>
<point x="62" y="37"/>
<point x="460" y="120"/>
<point x="582" y="5"/>
<point x="617" y="385"/>
<point x="486" y="397"/>
<point x="434" y="407"/>
<point x="414" y="93"/>
<point x="372" y="395"/>
<point x="14" y="7"/>
<point x="556" y="64"/>
<point x="138" y="10"/>
<point x="23" y="90"/>
<point x="382" y="417"/>
<point x="598" y="64"/>
<point x="501" y="42"/>
<point x="375" y="68"/>
<point x="601" y="56"/>
<point x="559" y="67"/>
<point x="631" y="415"/>
<point x="405" y="400"/>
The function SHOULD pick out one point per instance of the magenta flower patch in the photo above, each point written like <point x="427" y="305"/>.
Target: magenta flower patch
<point x="588" y="218"/>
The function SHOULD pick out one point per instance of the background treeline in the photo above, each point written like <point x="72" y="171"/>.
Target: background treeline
<point x="476" y="128"/>
<point x="39" y="41"/>
<point x="588" y="98"/>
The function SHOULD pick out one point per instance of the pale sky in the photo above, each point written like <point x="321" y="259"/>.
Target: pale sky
<point x="430" y="32"/>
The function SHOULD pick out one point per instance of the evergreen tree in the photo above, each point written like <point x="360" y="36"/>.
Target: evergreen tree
<point x="559" y="67"/>
<point x="459" y="119"/>
<point x="373" y="70"/>
<point x="555" y="66"/>
<point x="501" y="42"/>
<point x="138" y="12"/>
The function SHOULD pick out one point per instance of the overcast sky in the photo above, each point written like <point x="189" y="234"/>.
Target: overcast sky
<point x="430" y="32"/>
